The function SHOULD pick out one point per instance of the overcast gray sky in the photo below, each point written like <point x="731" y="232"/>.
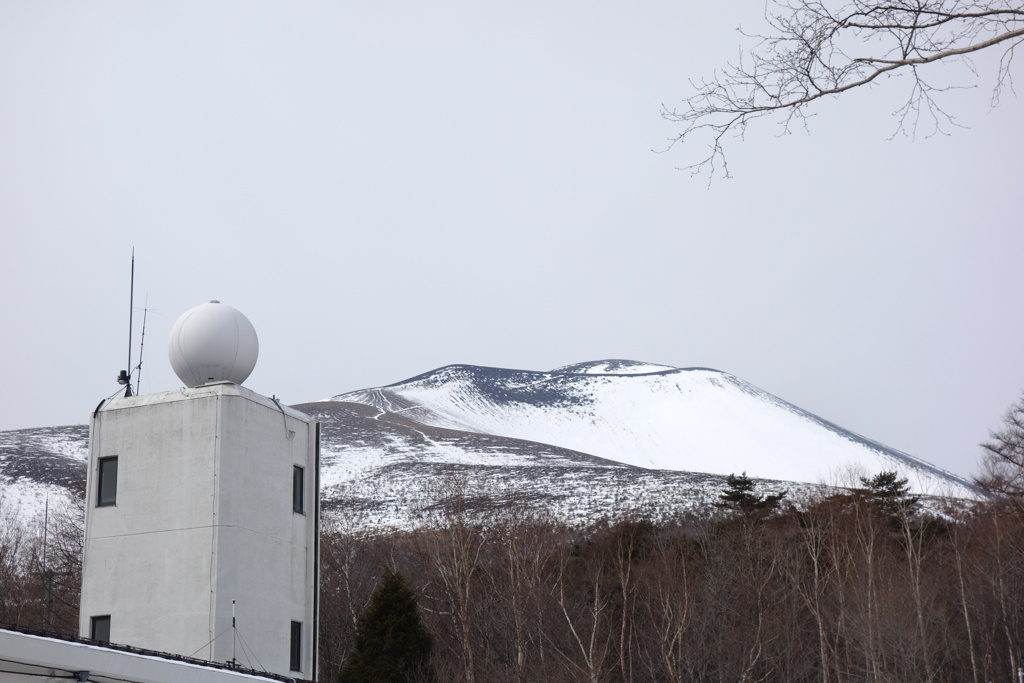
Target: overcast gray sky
<point x="384" y="188"/>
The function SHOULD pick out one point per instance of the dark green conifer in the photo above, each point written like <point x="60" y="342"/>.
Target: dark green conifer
<point x="739" y="496"/>
<point x="890" y="494"/>
<point x="391" y="644"/>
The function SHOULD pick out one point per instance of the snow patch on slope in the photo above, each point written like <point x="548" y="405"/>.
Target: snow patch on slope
<point x="41" y="464"/>
<point x="612" y="367"/>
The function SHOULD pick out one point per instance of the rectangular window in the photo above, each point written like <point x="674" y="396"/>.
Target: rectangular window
<point x="296" y="646"/>
<point x="107" y="493"/>
<point x="298" y="489"/>
<point x="100" y="629"/>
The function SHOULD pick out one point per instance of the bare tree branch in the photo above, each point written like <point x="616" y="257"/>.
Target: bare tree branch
<point x="814" y="51"/>
<point x="1003" y="462"/>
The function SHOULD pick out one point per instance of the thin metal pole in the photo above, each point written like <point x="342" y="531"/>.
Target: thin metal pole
<point x="131" y="311"/>
<point x="46" y="569"/>
<point x="142" y="346"/>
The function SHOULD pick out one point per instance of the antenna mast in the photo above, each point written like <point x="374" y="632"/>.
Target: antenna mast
<point x="234" y="635"/>
<point x="125" y="376"/>
<point x="142" y="345"/>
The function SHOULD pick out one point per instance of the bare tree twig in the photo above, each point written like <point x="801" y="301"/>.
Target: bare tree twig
<point x="819" y="49"/>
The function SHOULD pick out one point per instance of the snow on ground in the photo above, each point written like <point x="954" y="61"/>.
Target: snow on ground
<point x="26" y="500"/>
<point x="613" y="367"/>
<point x="40" y="464"/>
<point x="394" y="495"/>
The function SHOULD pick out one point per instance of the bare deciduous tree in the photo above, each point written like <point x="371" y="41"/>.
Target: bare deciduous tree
<point x="452" y="549"/>
<point x="1003" y="463"/>
<point x="824" y="48"/>
<point x="58" y="562"/>
<point x="14" y="543"/>
<point x="350" y="566"/>
<point x="670" y="590"/>
<point x="524" y="548"/>
<point x="583" y="598"/>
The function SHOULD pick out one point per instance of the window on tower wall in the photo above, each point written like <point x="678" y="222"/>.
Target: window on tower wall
<point x="106" y="493"/>
<point x="298" y="490"/>
<point x="100" y="629"/>
<point x="296" y="647"/>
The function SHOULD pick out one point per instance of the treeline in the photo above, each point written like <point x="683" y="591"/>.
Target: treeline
<point x="858" y="585"/>
<point x="41" y="566"/>
<point x="854" y="585"/>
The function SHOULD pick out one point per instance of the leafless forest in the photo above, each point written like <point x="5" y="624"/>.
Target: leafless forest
<point x="849" y="586"/>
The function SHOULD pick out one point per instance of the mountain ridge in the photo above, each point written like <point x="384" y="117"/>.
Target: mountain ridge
<point x="600" y="439"/>
<point x="518" y="403"/>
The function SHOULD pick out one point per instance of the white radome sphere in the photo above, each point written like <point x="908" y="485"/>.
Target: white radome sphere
<point x="213" y="343"/>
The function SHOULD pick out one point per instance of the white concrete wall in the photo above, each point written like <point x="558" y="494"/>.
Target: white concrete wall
<point x="38" y="659"/>
<point x="203" y="517"/>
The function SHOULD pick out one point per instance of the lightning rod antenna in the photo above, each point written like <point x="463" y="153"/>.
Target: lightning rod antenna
<point x="125" y="376"/>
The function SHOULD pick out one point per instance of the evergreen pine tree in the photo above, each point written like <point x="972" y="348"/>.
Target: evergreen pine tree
<point x="391" y="644"/>
<point x="739" y="495"/>
<point x="890" y="494"/>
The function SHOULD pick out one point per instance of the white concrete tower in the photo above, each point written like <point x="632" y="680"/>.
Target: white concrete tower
<point x="201" y="532"/>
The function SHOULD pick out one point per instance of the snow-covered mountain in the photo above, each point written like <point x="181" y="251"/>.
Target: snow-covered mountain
<point x="651" y="416"/>
<point x="592" y="440"/>
<point x="37" y="464"/>
<point x="382" y="470"/>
